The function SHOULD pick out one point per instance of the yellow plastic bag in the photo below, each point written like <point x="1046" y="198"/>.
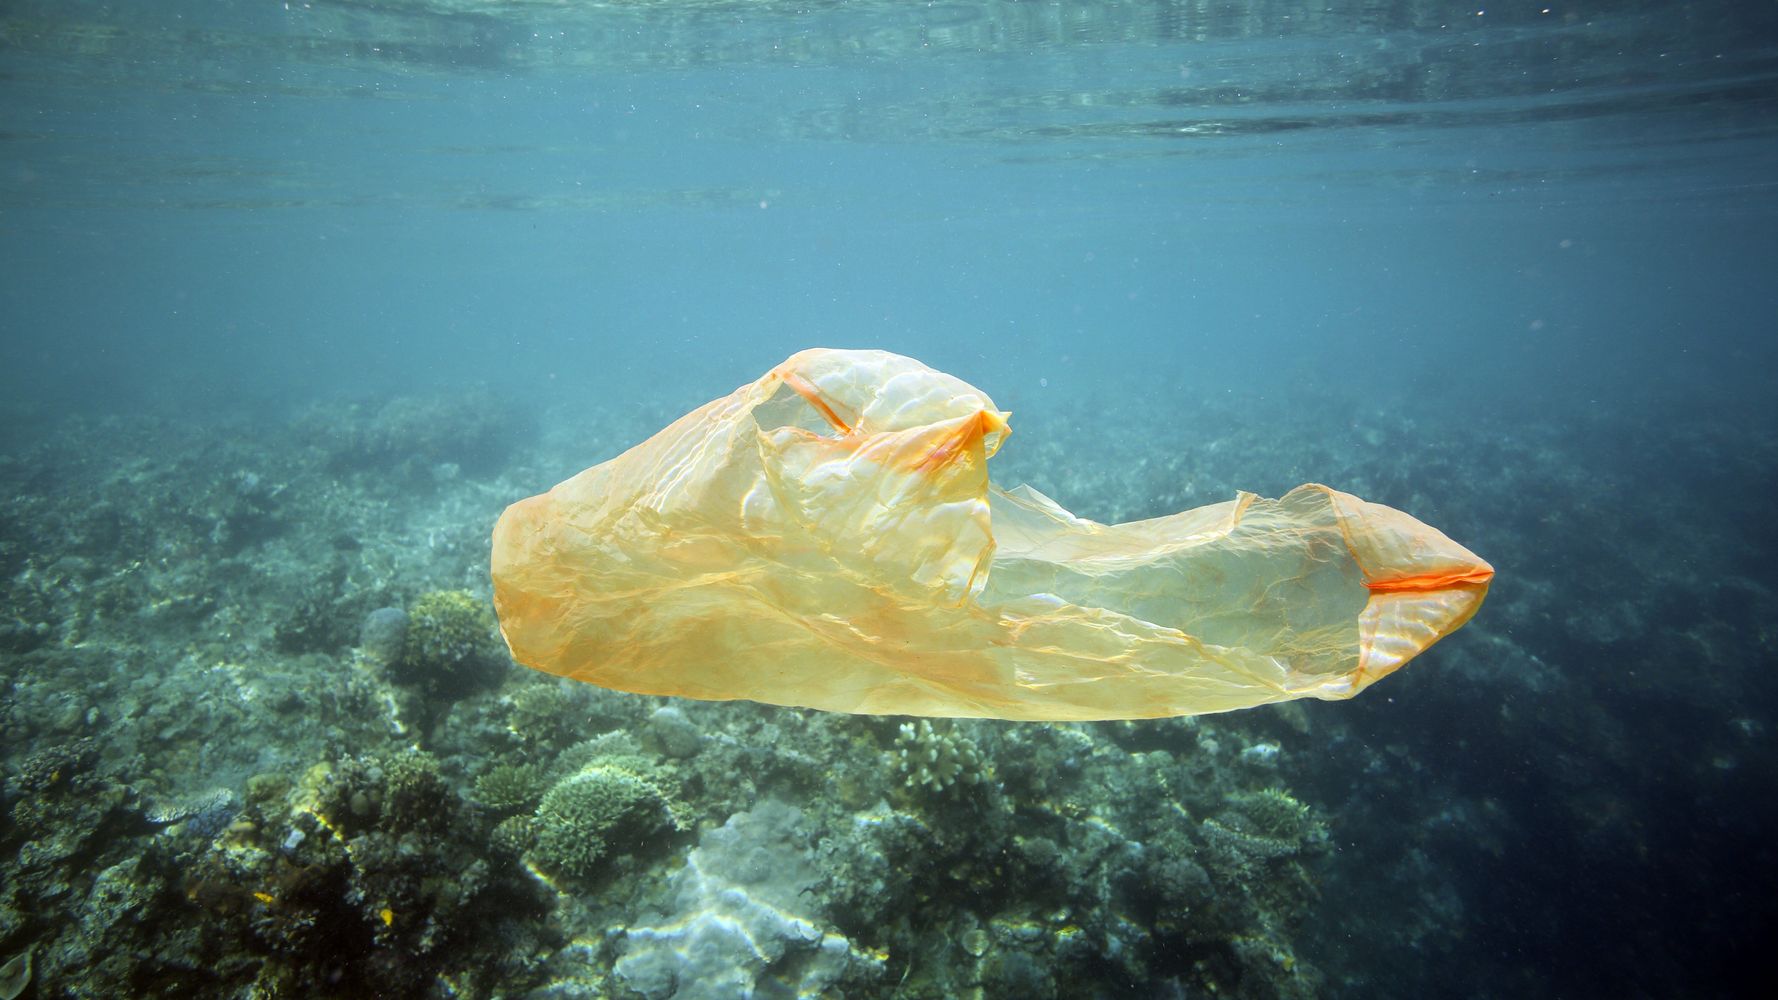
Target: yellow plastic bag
<point x="827" y="537"/>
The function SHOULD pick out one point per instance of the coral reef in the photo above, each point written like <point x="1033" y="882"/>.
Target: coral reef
<point x="417" y="438"/>
<point x="509" y="788"/>
<point x="262" y="740"/>
<point x="548" y="715"/>
<point x="426" y="820"/>
<point x="450" y="645"/>
<point x="936" y="756"/>
<point x="582" y="816"/>
<point x="383" y="635"/>
<point x="1257" y="828"/>
<point x="742" y="915"/>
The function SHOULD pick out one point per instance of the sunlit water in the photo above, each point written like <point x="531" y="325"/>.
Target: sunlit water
<point x="613" y="198"/>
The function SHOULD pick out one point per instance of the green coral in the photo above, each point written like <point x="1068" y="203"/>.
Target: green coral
<point x="548" y="712"/>
<point x="415" y="795"/>
<point x="580" y="820"/>
<point x="614" y="749"/>
<point x="399" y="792"/>
<point x="509" y="788"/>
<point x="1274" y="813"/>
<point x="514" y="835"/>
<point x="451" y="643"/>
<point x="1260" y="827"/>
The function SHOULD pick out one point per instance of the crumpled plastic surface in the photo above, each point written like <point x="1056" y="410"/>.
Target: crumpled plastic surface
<point x="828" y="537"/>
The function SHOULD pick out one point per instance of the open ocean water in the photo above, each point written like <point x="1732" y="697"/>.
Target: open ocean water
<point x="296" y="297"/>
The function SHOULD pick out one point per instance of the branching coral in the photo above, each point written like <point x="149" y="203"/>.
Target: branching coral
<point x="399" y="792"/>
<point x="451" y="645"/>
<point x="415" y="795"/>
<point x="548" y="715"/>
<point x="1260" y="827"/>
<point x="936" y="758"/>
<point x="507" y="788"/>
<point x="578" y="819"/>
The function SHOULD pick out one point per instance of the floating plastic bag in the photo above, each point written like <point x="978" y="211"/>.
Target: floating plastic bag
<point x="827" y="537"/>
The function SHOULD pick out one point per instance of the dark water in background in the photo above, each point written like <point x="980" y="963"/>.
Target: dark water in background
<point x="1552" y="222"/>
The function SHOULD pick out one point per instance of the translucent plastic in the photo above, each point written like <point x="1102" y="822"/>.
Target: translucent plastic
<point x="827" y="537"/>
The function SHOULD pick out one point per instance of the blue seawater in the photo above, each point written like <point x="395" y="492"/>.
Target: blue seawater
<point x="296" y="296"/>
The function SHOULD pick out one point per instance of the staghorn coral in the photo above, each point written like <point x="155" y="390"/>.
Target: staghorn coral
<point x="614" y="749"/>
<point x="548" y="715"/>
<point x="513" y="836"/>
<point x="507" y="788"/>
<point x="586" y="815"/>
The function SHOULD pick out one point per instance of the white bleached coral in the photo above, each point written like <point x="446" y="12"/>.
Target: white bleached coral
<point x="936" y="758"/>
<point x="746" y="922"/>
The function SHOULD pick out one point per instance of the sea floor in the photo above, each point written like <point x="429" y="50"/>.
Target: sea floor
<point x="261" y="740"/>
